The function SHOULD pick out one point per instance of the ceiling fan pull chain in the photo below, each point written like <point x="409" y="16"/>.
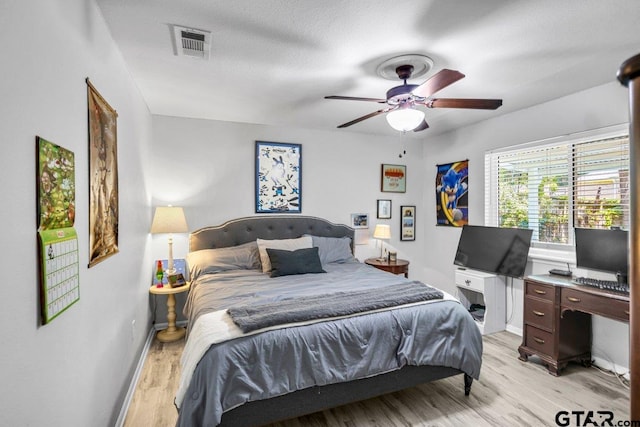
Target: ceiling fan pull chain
<point x="404" y="148"/>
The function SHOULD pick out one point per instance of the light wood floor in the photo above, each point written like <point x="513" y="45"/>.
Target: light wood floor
<point x="509" y="393"/>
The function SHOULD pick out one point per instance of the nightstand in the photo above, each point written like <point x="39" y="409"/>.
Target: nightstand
<point x="487" y="290"/>
<point x="172" y="333"/>
<point x="400" y="266"/>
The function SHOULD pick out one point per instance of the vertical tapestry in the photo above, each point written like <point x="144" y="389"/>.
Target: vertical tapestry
<point x="103" y="178"/>
<point x="452" y="184"/>
<point x="57" y="239"/>
<point x="278" y="177"/>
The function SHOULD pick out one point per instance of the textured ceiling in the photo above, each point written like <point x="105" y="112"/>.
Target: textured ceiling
<point x="273" y="61"/>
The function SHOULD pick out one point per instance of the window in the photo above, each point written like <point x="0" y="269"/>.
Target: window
<point x="556" y="185"/>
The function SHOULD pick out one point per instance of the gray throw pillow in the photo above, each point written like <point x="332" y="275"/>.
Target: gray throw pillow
<point x="333" y="249"/>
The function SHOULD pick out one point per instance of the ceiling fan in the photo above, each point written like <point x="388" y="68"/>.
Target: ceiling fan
<point x="402" y="100"/>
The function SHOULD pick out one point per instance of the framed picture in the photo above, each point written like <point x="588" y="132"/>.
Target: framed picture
<point x="359" y="220"/>
<point x="278" y="177"/>
<point x="384" y="209"/>
<point x="407" y="223"/>
<point x="176" y="280"/>
<point x="103" y="178"/>
<point x="393" y="178"/>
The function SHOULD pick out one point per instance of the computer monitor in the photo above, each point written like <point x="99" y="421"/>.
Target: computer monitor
<point x="603" y="250"/>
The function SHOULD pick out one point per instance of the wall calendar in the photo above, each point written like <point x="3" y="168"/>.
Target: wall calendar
<point x="57" y="239"/>
<point x="60" y="284"/>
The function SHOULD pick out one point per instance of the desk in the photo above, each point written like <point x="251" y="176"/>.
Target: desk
<point x="172" y="333"/>
<point x="557" y="319"/>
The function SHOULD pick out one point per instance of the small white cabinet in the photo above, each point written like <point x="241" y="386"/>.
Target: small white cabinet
<point x="477" y="287"/>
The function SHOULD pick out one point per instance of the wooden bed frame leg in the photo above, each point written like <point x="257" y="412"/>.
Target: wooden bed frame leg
<point x="467" y="384"/>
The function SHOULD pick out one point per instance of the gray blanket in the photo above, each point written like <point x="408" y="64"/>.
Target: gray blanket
<point x="253" y="317"/>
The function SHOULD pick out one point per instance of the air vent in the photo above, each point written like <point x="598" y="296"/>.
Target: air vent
<point x="191" y="42"/>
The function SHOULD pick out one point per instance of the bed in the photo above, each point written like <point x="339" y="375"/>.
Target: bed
<point x="261" y="349"/>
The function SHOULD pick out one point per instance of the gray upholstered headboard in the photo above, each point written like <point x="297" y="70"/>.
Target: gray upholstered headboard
<point x="243" y="230"/>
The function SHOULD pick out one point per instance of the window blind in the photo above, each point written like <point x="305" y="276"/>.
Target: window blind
<point x="601" y="183"/>
<point x="552" y="188"/>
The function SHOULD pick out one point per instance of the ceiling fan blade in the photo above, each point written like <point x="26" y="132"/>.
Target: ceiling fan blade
<point x="368" y="116"/>
<point x="480" y="104"/>
<point x="353" y="98"/>
<point x="422" y="126"/>
<point x="438" y="81"/>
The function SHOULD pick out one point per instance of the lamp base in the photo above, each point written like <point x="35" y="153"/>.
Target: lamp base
<point x="169" y="336"/>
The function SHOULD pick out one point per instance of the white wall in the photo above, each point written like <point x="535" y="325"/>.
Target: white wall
<point x="74" y="371"/>
<point x="212" y="176"/>
<point x="598" y="107"/>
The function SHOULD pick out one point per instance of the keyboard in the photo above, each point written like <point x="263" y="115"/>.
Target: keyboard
<point x="608" y="285"/>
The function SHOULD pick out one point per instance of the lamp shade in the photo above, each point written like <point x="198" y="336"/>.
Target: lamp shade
<point x="169" y="219"/>
<point x="382" y="231"/>
<point x="405" y="119"/>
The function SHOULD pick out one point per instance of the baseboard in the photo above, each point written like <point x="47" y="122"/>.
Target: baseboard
<point x="134" y="380"/>
<point x="608" y="366"/>
<point x="514" y="330"/>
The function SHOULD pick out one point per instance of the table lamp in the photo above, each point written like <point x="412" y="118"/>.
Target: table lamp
<point x="168" y="220"/>
<point x="382" y="232"/>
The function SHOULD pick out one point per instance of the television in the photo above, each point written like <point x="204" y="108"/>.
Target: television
<point x="496" y="250"/>
<point x="603" y="250"/>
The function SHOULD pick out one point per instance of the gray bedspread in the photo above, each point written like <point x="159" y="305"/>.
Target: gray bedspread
<point x="252" y="317"/>
<point x="276" y="362"/>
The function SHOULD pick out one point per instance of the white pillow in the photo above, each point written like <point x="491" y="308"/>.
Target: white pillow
<point x="285" y="244"/>
<point x="207" y="261"/>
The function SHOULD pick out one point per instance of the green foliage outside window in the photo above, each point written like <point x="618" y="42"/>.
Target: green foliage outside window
<point x="553" y="207"/>
<point x="554" y="210"/>
<point x="599" y="213"/>
<point x="513" y="206"/>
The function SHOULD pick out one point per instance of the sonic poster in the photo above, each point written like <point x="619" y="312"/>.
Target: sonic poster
<point x="452" y="206"/>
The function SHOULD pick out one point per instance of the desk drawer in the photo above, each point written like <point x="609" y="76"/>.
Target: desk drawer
<point x="541" y="291"/>
<point x="539" y="313"/>
<point x="539" y="340"/>
<point x="575" y="299"/>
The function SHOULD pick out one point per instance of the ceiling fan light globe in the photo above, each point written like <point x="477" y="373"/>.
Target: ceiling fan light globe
<point x="405" y="119"/>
